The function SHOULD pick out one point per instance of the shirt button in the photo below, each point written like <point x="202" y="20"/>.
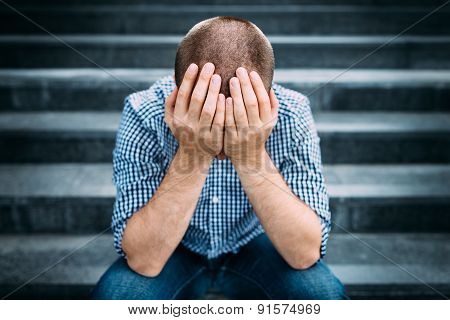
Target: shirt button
<point x="215" y="199"/>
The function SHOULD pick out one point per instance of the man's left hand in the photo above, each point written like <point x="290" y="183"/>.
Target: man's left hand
<point x="251" y="114"/>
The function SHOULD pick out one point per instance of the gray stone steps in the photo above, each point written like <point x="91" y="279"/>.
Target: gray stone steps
<point x="417" y="265"/>
<point x="272" y="19"/>
<point x="366" y="137"/>
<point x="156" y="51"/>
<point x="405" y="3"/>
<point x="328" y="89"/>
<point x="78" y="198"/>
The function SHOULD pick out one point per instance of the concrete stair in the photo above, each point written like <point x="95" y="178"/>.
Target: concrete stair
<point x="405" y="3"/>
<point x="366" y="137"/>
<point x="383" y="118"/>
<point x="77" y="198"/>
<point x="154" y="51"/>
<point x="272" y="19"/>
<point x="366" y="274"/>
<point x="328" y="89"/>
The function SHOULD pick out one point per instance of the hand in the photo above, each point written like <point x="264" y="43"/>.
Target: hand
<point x="250" y="117"/>
<point x="196" y="115"/>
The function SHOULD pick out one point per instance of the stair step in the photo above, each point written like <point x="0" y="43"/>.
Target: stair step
<point x="328" y="89"/>
<point x="366" y="137"/>
<point x="366" y="274"/>
<point x="78" y="198"/>
<point x="377" y="137"/>
<point x="149" y="51"/>
<point x="272" y="19"/>
<point x="405" y="3"/>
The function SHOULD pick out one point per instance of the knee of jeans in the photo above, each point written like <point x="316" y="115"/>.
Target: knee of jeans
<point x="315" y="283"/>
<point x="109" y="281"/>
<point x="120" y="282"/>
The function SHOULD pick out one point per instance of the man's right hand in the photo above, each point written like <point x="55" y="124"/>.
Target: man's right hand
<point x="196" y="115"/>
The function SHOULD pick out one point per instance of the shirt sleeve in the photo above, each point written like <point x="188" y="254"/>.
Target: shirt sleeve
<point x="302" y="170"/>
<point x="138" y="169"/>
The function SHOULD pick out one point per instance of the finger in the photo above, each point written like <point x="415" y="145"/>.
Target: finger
<point x="219" y="117"/>
<point x="200" y="91"/>
<point x="273" y="111"/>
<point x="274" y="104"/>
<point x="209" y="108"/>
<point x="170" y="106"/>
<point x="250" y="100"/>
<point x="262" y="96"/>
<point x="240" y="115"/>
<point x="230" y="124"/>
<point x="185" y="90"/>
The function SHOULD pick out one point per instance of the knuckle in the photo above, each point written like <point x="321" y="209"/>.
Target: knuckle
<point x="240" y="113"/>
<point x="265" y="106"/>
<point x="182" y="93"/>
<point x="252" y="103"/>
<point x="176" y="122"/>
<point x="218" y="128"/>
<point x="197" y="98"/>
<point x="204" y="77"/>
<point x="207" y="113"/>
<point x="229" y="133"/>
<point x="265" y="101"/>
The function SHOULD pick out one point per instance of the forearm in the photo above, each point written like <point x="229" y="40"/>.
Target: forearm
<point x="153" y="233"/>
<point x="291" y="225"/>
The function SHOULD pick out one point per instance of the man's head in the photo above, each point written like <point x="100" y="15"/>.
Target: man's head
<point x="228" y="43"/>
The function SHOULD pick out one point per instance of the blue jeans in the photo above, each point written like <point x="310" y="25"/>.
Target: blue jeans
<point x="257" y="271"/>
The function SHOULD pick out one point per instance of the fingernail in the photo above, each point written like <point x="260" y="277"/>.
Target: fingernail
<point x="229" y="101"/>
<point x="192" y="68"/>
<point x="208" y="67"/>
<point x="215" y="79"/>
<point x="233" y="82"/>
<point x="254" y="75"/>
<point x="241" y="71"/>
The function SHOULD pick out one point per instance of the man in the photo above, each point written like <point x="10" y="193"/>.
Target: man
<point x="219" y="180"/>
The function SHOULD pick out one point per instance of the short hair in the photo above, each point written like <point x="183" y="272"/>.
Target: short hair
<point x="228" y="43"/>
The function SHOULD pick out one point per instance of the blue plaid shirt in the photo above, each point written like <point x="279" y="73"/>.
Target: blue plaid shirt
<point x="223" y="220"/>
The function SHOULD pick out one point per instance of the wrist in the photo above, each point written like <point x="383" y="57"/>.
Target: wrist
<point x="253" y="163"/>
<point x="190" y="160"/>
